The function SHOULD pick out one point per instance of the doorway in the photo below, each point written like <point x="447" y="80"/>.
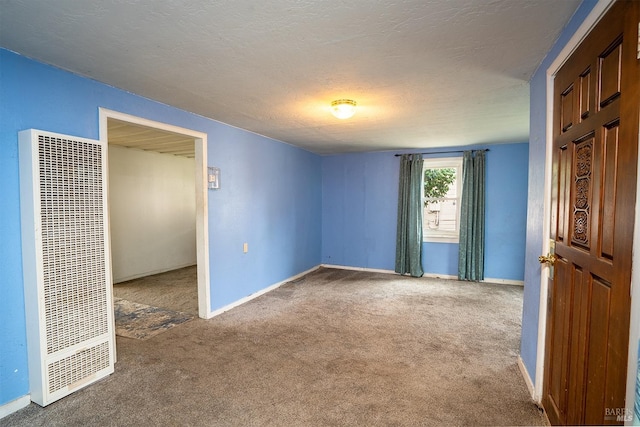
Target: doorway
<point x="176" y="142"/>
<point x="152" y="218"/>
<point x="595" y="141"/>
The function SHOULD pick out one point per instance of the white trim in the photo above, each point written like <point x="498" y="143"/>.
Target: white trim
<point x="433" y="236"/>
<point x="634" y="321"/>
<point x="151" y="273"/>
<point x="526" y="376"/>
<point x="14" y="406"/>
<point x="347" y="267"/>
<point x="202" y="217"/>
<point x="111" y="114"/>
<point x="441" y="238"/>
<point x="259" y="293"/>
<point x="440" y="276"/>
<point x="426" y="275"/>
<point x="587" y="25"/>
<point x="503" y="281"/>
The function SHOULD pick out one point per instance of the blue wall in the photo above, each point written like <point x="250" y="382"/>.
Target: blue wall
<point x="537" y="144"/>
<point x="359" y="209"/>
<point x="270" y="193"/>
<point x="359" y="196"/>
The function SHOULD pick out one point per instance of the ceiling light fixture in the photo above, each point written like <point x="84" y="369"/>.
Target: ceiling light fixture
<point x="343" y="108"/>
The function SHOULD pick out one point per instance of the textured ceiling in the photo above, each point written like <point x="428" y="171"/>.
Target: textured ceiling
<point x="424" y="73"/>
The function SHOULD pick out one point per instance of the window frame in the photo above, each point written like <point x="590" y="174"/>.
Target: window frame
<point x="441" y="163"/>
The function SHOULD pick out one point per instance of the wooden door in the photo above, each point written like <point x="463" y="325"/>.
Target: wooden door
<point x="596" y="113"/>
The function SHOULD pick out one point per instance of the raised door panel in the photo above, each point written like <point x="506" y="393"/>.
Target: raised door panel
<point x="596" y="113"/>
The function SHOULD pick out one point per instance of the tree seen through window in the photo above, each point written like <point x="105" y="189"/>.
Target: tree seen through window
<point x="441" y="199"/>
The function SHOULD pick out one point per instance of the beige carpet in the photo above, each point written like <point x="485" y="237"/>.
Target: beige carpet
<point x="337" y="348"/>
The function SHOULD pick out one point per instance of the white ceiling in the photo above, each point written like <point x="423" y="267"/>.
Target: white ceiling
<point x="425" y="73"/>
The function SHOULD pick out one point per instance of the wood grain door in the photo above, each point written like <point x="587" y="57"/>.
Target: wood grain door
<point x="596" y="113"/>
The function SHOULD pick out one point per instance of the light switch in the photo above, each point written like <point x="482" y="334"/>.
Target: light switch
<point x="245" y="248"/>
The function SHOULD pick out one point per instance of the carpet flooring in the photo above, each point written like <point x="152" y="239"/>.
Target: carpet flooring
<point x="335" y="348"/>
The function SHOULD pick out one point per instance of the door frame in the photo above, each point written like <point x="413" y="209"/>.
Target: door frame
<point x="202" y="214"/>
<point x="585" y="28"/>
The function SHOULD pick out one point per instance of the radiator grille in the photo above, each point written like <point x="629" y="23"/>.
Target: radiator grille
<point x="73" y="247"/>
<point x="80" y="366"/>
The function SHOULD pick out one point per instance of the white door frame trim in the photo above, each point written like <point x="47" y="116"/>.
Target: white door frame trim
<point x="202" y="216"/>
<point x="585" y="28"/>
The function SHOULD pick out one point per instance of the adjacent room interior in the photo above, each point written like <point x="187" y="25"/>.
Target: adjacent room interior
<point x="152" y="213"/>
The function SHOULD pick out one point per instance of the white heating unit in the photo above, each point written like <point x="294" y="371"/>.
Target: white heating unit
<point x="66" y="263"/>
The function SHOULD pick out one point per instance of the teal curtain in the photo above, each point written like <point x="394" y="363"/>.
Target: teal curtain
<point x="409" y="230"/>
<point x="471" y="252"/>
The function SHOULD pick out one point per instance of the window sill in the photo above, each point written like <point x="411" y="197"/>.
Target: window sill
<point x="441" y="239"/>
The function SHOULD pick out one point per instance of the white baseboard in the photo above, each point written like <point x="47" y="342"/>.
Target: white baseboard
<point x="257" y="294"/>
<point x="14" y="405"/>
<point x="440" y="276"/>
<point x="504" y="281"/>
<point x="151" y="273"/>
<point x="346" y="267"/>
<point x="429" y="275"/>
<point x="527" y="378"/>
<point x="486" y="279"/>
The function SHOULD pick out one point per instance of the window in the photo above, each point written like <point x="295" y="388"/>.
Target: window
<point x="442" y="184"/>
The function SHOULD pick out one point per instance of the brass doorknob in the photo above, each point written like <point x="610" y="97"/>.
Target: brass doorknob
<point x="547" y="259"/>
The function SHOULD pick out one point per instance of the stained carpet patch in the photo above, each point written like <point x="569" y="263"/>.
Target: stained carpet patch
<point x="140" y="321"/>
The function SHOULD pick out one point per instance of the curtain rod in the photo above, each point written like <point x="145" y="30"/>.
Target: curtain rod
<point x="442" y="152"/>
